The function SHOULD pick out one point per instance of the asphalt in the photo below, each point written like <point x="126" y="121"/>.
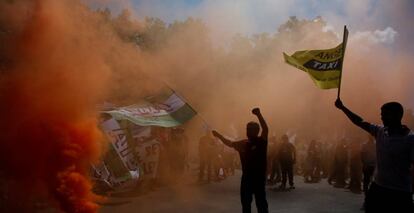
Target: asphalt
<point x="223" y="197"/>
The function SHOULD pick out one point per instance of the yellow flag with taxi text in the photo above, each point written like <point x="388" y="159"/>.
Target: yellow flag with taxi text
<point x="323" y="66"/>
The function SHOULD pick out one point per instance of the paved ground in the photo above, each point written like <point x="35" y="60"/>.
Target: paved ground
<point x="224" y="197"/>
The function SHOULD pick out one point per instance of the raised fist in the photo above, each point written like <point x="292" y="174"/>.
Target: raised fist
<point x="256" y="111"/>
<point x="339" y="104"/>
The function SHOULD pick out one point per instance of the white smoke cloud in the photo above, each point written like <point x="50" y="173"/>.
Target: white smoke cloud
<point x="386" y="36"/>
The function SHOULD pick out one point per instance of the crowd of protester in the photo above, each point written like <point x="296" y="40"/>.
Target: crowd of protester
<point x="348" y="162"/>
<point x="216" y="160"/>
<point x="345" y="163"/>
<point x="173" y="156"/>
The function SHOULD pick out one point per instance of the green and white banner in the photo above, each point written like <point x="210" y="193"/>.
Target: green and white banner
<point x="120" y="158"/>
<point x="166" y="109"/>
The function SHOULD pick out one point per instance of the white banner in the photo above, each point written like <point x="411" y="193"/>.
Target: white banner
<point x="141" y="154"/>
<point x="119" y="141"/>
<point x="148" y="158"/>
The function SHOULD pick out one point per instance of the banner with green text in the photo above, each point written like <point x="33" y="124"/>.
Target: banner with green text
<point x="166" y="109"/>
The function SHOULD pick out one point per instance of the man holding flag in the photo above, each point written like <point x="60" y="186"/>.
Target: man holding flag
<point x="392" y="188"/>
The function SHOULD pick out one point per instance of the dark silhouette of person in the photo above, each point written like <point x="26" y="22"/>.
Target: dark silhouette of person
<point x="228" y="157"/>
<point x="313" y="169"/>
<point x="287" y="158"/>
<point x="275" y="175"/>
<point x="340" y="162"/>
<point x="391" y="190"/>
<point x="253" y="157"/>
<point x="325" y="159"/>
<point x="369" y="160"/>
<point x="180" y="152"/>
<point x="205" y="154"/>
<point x="355" y="167"/>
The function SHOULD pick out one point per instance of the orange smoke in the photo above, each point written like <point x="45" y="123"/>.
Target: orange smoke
<point x="52" y="76"/>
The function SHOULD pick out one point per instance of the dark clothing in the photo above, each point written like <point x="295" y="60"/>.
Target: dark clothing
<point x="287" y="153"/>
<point x="287" y="172"/>
<point x="368" y="174"/>
<point x="179" y="152"/>
<point x="313" y="167"/>
<point x="369" y="161"/>
<point x="205" y="154"/>
<point x="253" y="157"/>
<point x="368" y="154"/>
<point x="275" y="173"/>
<point x="340" y="165"/>
<point x="391" y="190"/>
<point x="380" y="199"/>
<point x="228" y="159"/>
<point x="395" y="154"/>
<point x="248" y="187"/>
<point x="205" y="164"/>
<point x="273" y="163"/>
<point x="287" y="159"/>
<point x="355" y="167"/>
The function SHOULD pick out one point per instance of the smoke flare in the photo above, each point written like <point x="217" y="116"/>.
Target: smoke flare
<point x="52" y="77"/>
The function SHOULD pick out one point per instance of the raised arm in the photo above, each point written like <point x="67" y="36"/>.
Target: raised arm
<point x="355" y="119"/>
<point x="265" y="129"/>
<point x="226" y="141"/>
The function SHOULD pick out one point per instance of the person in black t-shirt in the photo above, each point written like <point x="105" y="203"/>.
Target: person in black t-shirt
<point x="287" y="158"/>
<point x="253" y="157"/>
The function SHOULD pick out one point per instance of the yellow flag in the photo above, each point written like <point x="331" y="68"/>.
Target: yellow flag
<point x="323" y="66"/>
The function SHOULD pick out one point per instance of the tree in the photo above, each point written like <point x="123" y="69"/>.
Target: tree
<point x="126" y="28"/>
<point x="154" y="35"/>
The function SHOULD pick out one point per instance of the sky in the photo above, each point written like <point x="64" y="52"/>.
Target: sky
<point x="267" y="13"/>
<point x="228" y="17"/>
<point x="383" y="22"/>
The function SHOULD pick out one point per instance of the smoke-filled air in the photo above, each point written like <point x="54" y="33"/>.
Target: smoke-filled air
<point x="61" y="60"/>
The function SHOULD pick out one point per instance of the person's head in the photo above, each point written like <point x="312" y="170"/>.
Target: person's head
<point x="252" y="129"/>
<point x="285" y="138"/>
<point x="392" y="113"/>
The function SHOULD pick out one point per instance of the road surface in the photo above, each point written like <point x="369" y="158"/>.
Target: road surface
<point x="223" y="197"/>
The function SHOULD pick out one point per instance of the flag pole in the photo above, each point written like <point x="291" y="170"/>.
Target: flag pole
<point x="344" y="42"/>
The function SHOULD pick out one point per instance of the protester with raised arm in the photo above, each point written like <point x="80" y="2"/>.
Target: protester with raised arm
<point x="253" y="157"/>
<point x="391" y="190"/>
